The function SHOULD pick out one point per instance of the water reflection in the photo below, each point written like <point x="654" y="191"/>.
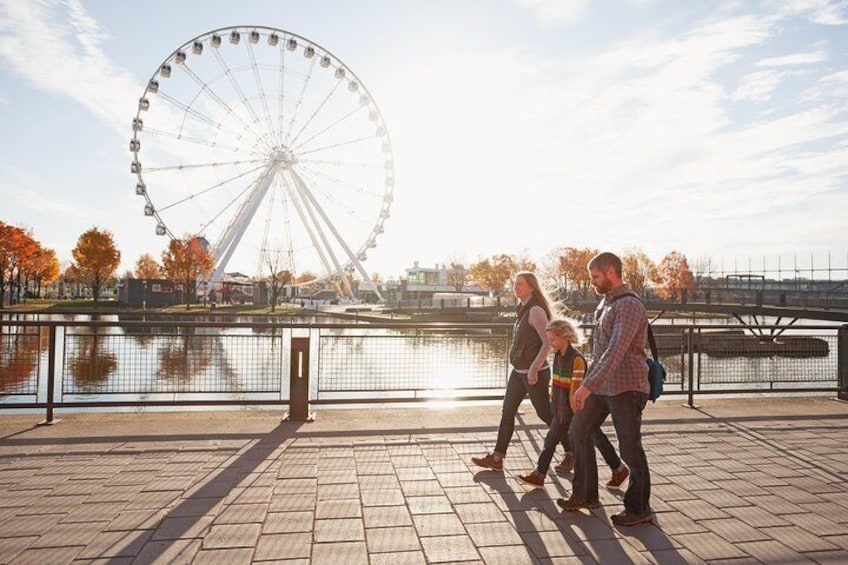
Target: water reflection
<point x="184" y="357"/>
<point x="93" y="364"/>
<point x="20" y="348"/>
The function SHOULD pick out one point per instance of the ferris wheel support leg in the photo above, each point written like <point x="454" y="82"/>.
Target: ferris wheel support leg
<point x="310" y="206"/>
<point x="232" y="236"/>
<point x="296" y="203"/>
<point x="354" y="260"/>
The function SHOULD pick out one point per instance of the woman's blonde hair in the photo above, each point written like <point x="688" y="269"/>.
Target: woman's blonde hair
<point x="538" y="291"/>
<point x="567" y="329"/>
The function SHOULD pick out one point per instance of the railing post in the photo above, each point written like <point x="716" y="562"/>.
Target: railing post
<point x="51" y="378"/>
<point x="842" y="362"/>
<point x="299" y="381"/>
<point x="690" y="366"/>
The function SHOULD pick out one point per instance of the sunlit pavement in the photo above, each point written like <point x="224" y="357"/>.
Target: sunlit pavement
<point x="735" y="481"/>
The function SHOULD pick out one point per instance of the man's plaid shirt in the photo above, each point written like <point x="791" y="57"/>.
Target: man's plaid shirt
<point x="619" y="346"/>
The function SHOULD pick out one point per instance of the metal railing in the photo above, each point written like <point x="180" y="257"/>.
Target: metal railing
<point x="134" y="364"/>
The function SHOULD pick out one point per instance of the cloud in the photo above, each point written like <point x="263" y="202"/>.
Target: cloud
<point x="557" y="12"/>
<point x="758" y="86"/>
<point x="794" y="59"/>
<point x="57" y="47"/>
<point x="823" y="12"/>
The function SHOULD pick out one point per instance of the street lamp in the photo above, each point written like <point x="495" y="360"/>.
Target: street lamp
<point x="144" y="295"/>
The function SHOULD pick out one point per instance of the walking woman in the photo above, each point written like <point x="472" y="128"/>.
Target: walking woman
<point x="531" y="374"/>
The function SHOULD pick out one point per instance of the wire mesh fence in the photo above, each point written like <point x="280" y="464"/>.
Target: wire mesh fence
<point x="112" y="363"/>
<point x="412" y="361"/>
<point x="21" y="351"/>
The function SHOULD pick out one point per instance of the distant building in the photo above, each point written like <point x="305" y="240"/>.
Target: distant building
<point x="425" y="282"/>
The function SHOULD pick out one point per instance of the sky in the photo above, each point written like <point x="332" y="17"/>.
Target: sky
<point x="719" y="129"/>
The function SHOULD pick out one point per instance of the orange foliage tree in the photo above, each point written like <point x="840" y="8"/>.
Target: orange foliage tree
<point x="185" y="261"/>
<point x="493" y="273"/>
<point x="147" y="268"/>
<point x="96" y="259"/>
<point x="638" y="270"/>
<point x="565" y="269"/>
<point x="17" y="248"/>
<point x="674" y="275"/>
<point x="44" y="268"/>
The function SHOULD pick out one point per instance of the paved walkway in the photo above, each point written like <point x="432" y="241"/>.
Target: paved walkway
<point x="734" y="482"/>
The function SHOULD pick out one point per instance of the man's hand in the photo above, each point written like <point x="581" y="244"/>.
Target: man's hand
<point x="578" y="399"/>
<point x="532" y="376"/>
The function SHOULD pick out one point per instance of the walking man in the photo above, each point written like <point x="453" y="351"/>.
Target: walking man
<point x="617" y="384"/>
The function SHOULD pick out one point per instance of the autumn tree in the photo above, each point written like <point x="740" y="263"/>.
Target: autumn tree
<point x="147" y="268"/>
<point x="674" y="275"/>
<point x="45" y="268"/>
<point x="457" y="275"/>
<point x="638" y="270"/>
<point x="17" y="248"/>
<point x="185" y="261"/>
<point x="96" y="259"/>
<point x="564" y="268"/>
<point x="276" y="276"/>
<point x="493" y="274"/>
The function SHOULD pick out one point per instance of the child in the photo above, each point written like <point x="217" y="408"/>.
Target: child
<point x="568" y="370"/>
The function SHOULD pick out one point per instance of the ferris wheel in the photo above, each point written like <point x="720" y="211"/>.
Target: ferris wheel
<point x="269" y="149"/>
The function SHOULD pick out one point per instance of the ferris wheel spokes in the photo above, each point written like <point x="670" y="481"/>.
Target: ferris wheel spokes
<point x="234" y="232"/>
<point x="354" y="260"/>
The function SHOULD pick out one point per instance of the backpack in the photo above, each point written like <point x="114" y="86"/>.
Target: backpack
<point x="656" y="371"/>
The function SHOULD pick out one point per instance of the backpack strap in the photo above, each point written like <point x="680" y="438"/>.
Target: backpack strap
<point x="652" y="342"/>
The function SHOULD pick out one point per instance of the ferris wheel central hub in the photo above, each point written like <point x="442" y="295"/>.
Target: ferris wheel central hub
<point x="283" y="158"/>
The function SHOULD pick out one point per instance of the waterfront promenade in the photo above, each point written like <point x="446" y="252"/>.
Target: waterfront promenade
<point x="735" y="481"/>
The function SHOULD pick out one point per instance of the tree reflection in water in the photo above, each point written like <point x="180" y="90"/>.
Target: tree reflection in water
<point x="184" y="357"/>
<point x="92" y="366"/>
<point x="19" y="351"/>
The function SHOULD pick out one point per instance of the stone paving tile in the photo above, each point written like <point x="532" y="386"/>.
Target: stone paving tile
<point x="429" y="504"/>
<point x="75" y="533"/>
<point x="116" y="544"/>
<point x="421" y="488"/>
<point x="386" y="516"/>
<point x="283" y="546"/>
<point x="338" y="491"/>
<point x="759" y="517"/>
<point x="353" y="553"/>
<point x="532" y="520"/>
<point x="493" y="534"/>
<point x="230" y="556"/>
<point x="378" y="482"/>
<point x="429" y="525"/>
<point x="771" y="551"/>
<point x="398" y="558"/>
<point x="384" y="497"/>
<point x="466" y="495"/>
<point x="479" y="512"/>
<point x="287" y="522"/>
<point x="735" y="531"/>
<point x="174" y="552"/>
<point x="553" y="544"/>
<point x="818" y="524"/>
<point x="292" y="502"/>
<point x="508" y="555"/>
<point x="331" y="509"/>
<point x="340" y="529"/>
<point x="449" y="549"/>
<point x="242" y="514"/>
<point x="182" y="527"/>
<point x="613" y="551"/>
<point x="698" y="510"/>
<point x="391" y="540"/>
<point x="231" y="535"/>
<point x="41" y="555"/>
<point x="709" y="546"/>
<point x="13" y="546"/>
<point x="800" y="539"/>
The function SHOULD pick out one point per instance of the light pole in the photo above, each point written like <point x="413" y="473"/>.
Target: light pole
<point x="144" y="295"/>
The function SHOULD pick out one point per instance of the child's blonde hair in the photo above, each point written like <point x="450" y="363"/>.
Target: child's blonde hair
<point x="567" y="329"/>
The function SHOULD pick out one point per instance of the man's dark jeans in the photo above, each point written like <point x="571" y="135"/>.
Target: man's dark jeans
<point x="626" y="410"/>
<point x="516" y="389"/>
<point x="558" y="432"/>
